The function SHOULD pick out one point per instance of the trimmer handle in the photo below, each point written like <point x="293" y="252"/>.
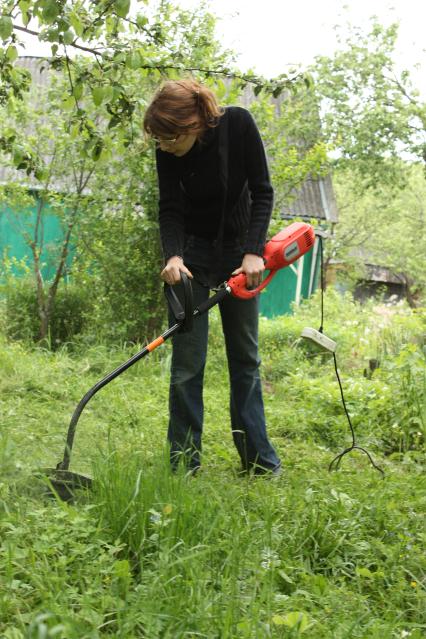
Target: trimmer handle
<point x="238" y="285"/>
<point x="182" y="305"/>
<point x="282" y="250"/>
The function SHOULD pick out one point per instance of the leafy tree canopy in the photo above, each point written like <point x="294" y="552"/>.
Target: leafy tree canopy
<point x="371" y="113"/>
<point x="115" y="37"/>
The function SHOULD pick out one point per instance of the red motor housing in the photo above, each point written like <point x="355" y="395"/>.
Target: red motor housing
<point x="282" y="250"/>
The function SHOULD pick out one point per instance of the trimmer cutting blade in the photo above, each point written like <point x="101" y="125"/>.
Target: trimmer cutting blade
<point x="64" y="483"/>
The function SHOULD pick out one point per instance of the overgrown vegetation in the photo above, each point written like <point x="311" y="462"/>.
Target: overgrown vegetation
<point x="383" y="226"/>
<point x="150" y="554"/>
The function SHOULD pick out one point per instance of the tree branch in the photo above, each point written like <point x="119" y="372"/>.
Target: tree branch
<point x="164" y="67"/>
<point x="94" y="51"/>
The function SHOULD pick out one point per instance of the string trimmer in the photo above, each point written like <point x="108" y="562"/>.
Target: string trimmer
<point x="281" y="251"/>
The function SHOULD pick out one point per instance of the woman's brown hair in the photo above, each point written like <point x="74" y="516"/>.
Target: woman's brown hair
<point x="182" y="107"/>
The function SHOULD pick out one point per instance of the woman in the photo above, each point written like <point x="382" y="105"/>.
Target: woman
<point x="214" y="209"/>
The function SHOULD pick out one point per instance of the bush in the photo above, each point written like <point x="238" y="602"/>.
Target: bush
<point x="21" y="319"/>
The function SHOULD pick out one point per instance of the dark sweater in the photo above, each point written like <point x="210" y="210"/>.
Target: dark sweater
<point x="192" y="189"/>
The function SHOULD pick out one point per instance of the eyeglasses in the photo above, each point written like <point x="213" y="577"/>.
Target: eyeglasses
<point x="166" y="140"/>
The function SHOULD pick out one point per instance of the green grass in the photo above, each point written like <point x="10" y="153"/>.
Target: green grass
<point x="150" y="554"/>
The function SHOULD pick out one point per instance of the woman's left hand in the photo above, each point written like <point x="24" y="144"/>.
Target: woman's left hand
<point x="253" y="266"/>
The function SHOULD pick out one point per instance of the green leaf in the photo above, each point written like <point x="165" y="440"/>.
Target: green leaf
<point x="122" y="8"/>
<point x="97" y="150"/>
<point x="116" y="92"/>
<point x="52" y="35"/>
<point x="69" y="36"/>
<point x="98" y="95"/>
<point x="11" y="53"/>
<point x="244" y="626"/>
<point x="54" y="49"/>
<point x="78" y="90"/>
<point x="6" y="27"/>
<point x="292" y="620"/>
<point x="26" y="17"/>
<point x="141" y="20"/>
<point x="77" y="24"/>
<point x="113" y="121"/>
<point x="68" y="103"/>
<point x="364" y="572"/>
<point x="285" y="577"/>
<point x="40" y="174"/>
<point x="133" y="60"/>
<point x="108" y="93"/>
<point x="50" y="11"/>
<point x="75" y="131"/>
<point x="278" y="620"/>
<point x="122" y="569"/>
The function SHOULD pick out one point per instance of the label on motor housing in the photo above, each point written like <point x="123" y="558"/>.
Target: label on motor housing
<point x="291" y="251"/>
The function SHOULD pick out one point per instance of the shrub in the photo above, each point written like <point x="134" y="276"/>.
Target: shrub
<point x="21" y="320"/>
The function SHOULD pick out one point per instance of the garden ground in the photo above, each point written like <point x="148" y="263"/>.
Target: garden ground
<point x="150" y="554"/>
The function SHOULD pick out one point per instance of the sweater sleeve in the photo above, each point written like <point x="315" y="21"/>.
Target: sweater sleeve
<point x="260" y="188"/>
<point x="170" y="210"/>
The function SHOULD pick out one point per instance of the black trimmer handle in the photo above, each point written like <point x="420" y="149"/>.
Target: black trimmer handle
<point x="212" y="301"/>
<point x="183" y="313"/>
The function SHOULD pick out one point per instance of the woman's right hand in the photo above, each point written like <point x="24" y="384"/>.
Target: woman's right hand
<point x="171" y="272"/>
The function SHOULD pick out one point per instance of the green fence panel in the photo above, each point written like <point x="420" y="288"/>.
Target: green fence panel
<point x="276" y="299"/>
<point x="16" y="229"/>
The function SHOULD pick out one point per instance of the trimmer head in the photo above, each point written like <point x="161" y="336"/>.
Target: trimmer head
<point x="64" y="483"/>
<point x="320" y="339"/>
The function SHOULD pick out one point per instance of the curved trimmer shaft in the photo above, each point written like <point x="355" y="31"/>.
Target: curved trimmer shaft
<point x="203" y="308"/>
<point x="64" y="464"/>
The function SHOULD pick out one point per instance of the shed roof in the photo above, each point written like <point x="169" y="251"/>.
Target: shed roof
<point x="313" y="200"/>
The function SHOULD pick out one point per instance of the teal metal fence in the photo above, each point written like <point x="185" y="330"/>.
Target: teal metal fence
<point x="288" y="287"/>
<point x="17" y="231"/>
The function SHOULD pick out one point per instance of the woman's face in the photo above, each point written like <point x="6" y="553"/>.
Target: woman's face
<point x="179" y="145"/>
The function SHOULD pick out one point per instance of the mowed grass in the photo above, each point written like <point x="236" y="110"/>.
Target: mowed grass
<point x="151" y="554"/>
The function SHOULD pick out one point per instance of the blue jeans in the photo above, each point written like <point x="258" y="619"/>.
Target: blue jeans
<point x="240" y="328"/>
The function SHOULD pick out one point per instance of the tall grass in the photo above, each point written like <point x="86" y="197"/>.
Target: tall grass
<point x="262" y="558"/>
<point x="153" y="554"/>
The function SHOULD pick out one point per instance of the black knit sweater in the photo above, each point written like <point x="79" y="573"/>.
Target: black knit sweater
<point x="194" y="194"/>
